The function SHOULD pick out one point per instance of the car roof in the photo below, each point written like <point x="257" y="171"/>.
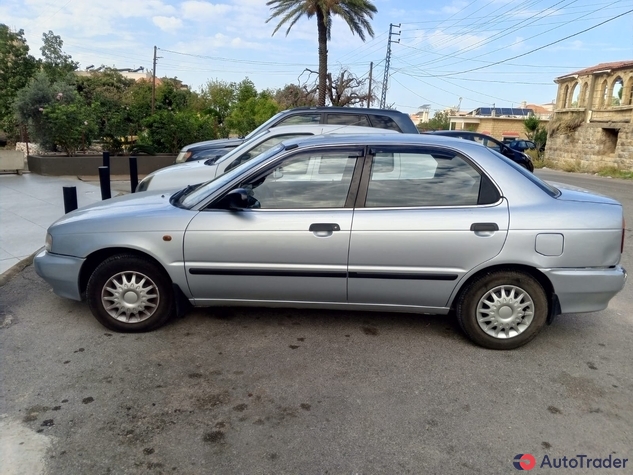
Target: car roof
<point x="319" y="129"/>
<point x="380" y="138"/>
<point x="347" y="110"/>
<point x="458" y="132"/>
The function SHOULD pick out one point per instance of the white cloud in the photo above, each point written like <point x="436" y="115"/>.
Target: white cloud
<point x="204" y="11"/>
<point x="167" y="23"/>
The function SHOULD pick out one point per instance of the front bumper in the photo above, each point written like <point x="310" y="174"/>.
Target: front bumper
<point x="61" y="272"/>
<point x="586" y="289"/>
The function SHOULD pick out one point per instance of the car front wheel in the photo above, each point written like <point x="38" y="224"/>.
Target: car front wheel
<point x="502" y="310"/>
<point x="129" y="294"/>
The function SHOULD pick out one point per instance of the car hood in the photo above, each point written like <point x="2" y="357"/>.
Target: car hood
<point x="182" y="174"/>
<point x="138" y="212"/>
<point x="218" y="143"/>
<point x="575" y="193"/>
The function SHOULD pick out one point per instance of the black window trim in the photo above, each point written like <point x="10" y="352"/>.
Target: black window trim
<point x="366" y="175"/>
<point x="211" y="205"/>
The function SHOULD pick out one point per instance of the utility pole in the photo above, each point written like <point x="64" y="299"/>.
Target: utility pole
<point x="371" y="70"/>
<point x="383" y="97"/>
<point x="154" y="82"/>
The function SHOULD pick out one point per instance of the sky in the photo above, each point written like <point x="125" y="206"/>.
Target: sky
<point x="463" y="53"/>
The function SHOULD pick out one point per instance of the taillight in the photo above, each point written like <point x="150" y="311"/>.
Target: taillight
<point x="623" y="229"/>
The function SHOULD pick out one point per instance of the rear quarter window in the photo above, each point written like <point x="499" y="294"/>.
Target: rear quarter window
<point x="384" y="122"/>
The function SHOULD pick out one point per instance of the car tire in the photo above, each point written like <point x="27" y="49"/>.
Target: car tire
<point x="129" y="294"/>
<point x="502" y="310"/>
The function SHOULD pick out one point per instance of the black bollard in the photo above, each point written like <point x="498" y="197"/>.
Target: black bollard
<point x="133" y="174"/>
<point x="106" y="159"/>
<point x="104" y="180"/>
<point x="70" y="199"/>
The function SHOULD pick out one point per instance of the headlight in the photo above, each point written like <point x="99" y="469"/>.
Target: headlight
<point x="48" y="245"/>
<point x="183" y="157"/>
<point x="144" y="184"/>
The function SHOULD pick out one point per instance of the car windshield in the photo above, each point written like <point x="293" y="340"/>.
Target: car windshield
<point x="237" y="151"/>
<point x="192" y="197"/>
<point x="543" y="185"/>
<point x="265" y="126"/>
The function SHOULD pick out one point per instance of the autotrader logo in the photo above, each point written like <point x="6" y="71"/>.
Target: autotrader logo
<point x="524" y="462"/>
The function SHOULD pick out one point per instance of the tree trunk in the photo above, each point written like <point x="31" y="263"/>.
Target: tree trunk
<point x="322" y="30"/>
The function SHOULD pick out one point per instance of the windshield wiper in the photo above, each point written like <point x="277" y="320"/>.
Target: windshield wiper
<point x="177" y="197"/>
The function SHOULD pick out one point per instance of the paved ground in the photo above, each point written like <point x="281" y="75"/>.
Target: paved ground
<point x="29" y="203"/>
<point x="252" y="391"/>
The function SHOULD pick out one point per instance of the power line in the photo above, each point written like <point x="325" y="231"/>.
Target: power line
<point x="544" y="46"/>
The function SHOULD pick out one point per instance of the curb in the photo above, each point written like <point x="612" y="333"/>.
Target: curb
<point x="7" y="275"/>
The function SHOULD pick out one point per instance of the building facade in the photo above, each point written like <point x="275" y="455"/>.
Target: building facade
<point x="498" y="122"/>
<point x="592" y="125"/>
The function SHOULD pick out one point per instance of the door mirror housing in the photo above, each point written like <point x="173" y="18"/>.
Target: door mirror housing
<point x="236" y="199"/>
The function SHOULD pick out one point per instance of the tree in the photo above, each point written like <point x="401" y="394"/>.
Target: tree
<point x="292" y="95"/>
<point x="56" y="64"/>
<point x="535" y="132"/>
<point x="168" y="131"/>
<point x="17" y="67"/>
<point x="346" y="89"/>
<point x="70" y="126"/>
<point x="218" y="98"/>
<point x="440" y="121"/>
<point x="250" y="114"/>
<point x="356" y="13"/>
<point x="105" y="93"/>
<point x="32" y="100"/>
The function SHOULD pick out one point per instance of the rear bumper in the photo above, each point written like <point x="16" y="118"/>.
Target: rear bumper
<point x="586" y="289"/>
<point x="61" y="272"/>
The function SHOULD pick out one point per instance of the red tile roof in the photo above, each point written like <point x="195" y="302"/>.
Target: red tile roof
<point x="600" y="67"/>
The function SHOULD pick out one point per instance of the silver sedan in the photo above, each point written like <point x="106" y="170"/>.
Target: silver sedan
<point x="399" y="223"/>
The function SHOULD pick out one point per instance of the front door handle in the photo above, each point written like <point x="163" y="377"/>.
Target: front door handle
<point x="484" y="227"/>
<point x="320" y="227"/>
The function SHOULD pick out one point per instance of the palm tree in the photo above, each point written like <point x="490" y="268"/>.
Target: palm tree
<point x="356" y="14"/>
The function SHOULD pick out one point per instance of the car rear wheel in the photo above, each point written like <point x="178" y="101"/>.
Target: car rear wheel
<point x="129" y="294"/>
<point x="502" y="310"/>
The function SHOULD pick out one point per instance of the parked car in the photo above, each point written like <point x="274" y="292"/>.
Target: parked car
<point x="523" y="145"/>
<point x="379" y="118"/>
<point x="519" y="157"/>
<point x="183" y="174"/>
<point x="394" y="222"/>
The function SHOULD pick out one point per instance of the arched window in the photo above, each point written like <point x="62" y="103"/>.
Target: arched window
<point x="617" y="90"/>
<point x="563" y="102"/>
<point x="573" y="95"/>
<point x="583" y="95"/>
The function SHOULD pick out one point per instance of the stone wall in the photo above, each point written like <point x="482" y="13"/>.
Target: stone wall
<point x="593" y="146"/>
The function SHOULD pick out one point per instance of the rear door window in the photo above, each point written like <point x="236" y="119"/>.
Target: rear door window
<point x="419" y="177"/>
<point x="348" y="119"/>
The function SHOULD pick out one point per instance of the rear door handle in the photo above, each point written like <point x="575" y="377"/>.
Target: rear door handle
<point x="320" y="227"/>
<point x="479" y="227"/>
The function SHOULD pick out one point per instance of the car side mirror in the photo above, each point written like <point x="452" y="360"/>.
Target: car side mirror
<point x="236" y="199"/>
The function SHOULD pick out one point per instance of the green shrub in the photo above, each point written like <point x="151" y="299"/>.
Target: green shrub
<point x="168" y="131"/>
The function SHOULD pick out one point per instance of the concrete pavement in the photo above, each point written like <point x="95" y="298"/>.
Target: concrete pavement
<point x="29" y="203"/>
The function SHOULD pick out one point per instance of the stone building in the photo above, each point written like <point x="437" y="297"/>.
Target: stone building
<point x="592" y="125"/>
